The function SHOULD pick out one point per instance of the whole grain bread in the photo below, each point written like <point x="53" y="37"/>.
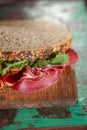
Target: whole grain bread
<point x="28" y="40"/>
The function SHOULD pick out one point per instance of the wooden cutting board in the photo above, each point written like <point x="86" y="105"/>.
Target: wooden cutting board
<point x="64" y="92"/>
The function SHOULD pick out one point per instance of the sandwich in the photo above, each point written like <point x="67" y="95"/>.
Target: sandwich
<point x="33" y="55"/>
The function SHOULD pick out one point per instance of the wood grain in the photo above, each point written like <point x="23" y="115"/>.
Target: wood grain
<point x="61" y="128"/>
<point x="63" y="92"/>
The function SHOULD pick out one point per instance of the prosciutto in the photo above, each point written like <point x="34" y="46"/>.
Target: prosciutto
<point x="12" y="77"/>
<point x="73" y="57"/>
<point x="34" y="79"/>
<point x="31" y="79"/>
<point x="1" y="82"/>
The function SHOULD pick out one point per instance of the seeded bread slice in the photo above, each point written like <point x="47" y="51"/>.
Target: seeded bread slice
<point x="29" y="40"/>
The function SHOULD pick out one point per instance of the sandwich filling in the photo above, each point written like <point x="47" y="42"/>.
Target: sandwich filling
<point x="27" y="76"/>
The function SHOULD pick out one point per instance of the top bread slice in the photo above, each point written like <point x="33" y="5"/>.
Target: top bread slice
<point x="29" y="40"/>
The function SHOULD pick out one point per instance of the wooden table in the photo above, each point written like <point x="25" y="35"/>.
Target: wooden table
<point x="74" y="14"/>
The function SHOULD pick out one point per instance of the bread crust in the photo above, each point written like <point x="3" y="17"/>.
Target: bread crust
<point x="29" y="40"/>
<point x="33" y="54"/>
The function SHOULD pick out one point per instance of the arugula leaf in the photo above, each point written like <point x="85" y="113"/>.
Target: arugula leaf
<point x="57" y="60"/>
<point x="15" y="64"/>
<point x="1" y="62"/>
<point x="40" y="63"/>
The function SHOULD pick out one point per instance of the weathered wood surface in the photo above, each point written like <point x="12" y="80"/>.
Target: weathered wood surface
<point x="61" y="128"/>
<point x="74" y="14"/>
<point x="63" y="92"/>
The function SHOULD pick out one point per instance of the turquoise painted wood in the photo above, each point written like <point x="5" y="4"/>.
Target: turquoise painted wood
<point x="74" y="14"/>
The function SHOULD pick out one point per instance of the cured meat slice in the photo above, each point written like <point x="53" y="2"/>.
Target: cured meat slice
<point x="73" y="57"/>
<point x="37" y="78"/>
<point x="12" y="77"/>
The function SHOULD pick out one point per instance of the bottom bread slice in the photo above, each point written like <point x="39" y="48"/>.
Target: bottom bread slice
<point x="62" y="93"/>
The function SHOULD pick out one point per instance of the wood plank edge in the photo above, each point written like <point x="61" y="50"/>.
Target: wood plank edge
<point x="38" y="104"/>
<point x="81" y="127"/>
